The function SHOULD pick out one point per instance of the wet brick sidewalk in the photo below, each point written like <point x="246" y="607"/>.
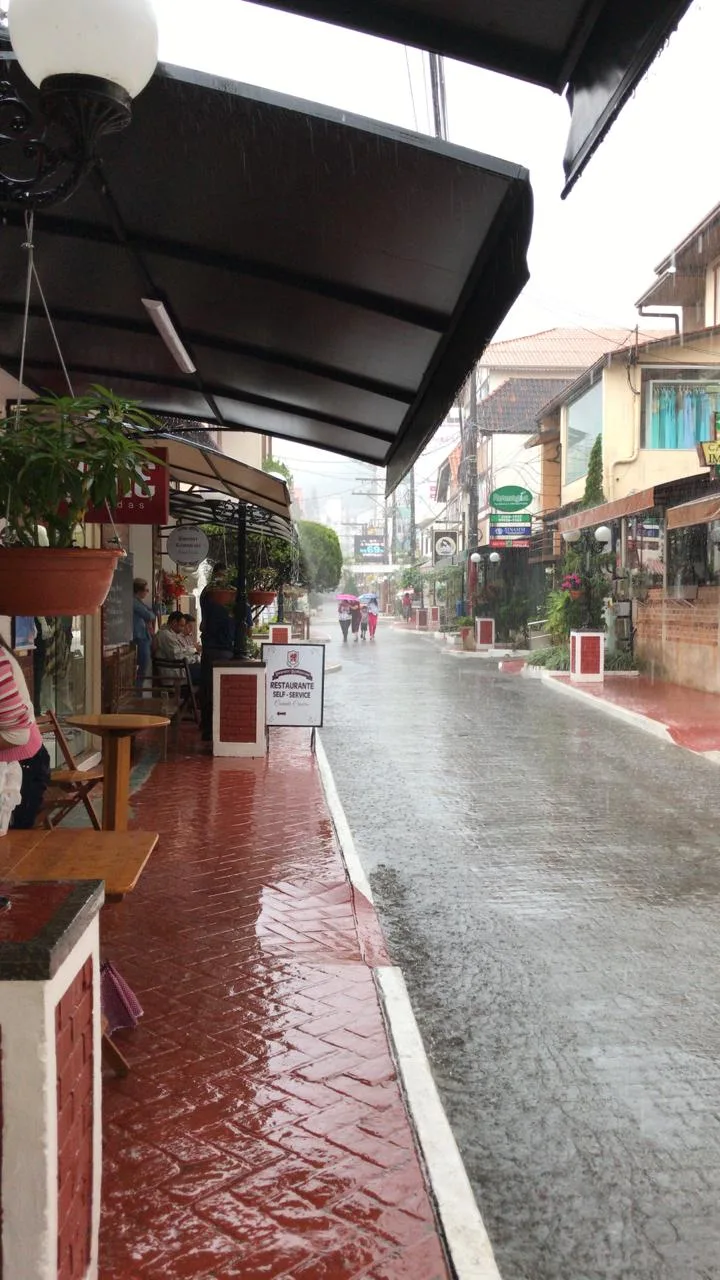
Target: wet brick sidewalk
<point x="262" y="1131"/>
<point x="549" y="880"/>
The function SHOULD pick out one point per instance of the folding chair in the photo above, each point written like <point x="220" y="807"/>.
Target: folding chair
<point x="178" y="672"/>
<point x="69" y="786"/>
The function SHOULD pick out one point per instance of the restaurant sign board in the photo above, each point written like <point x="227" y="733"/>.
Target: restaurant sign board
<point x="511" y="497"/>
<point x="294" y="684"/>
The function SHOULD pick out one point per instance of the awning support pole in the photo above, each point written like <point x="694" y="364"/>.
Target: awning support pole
<point x="240" y="649"/>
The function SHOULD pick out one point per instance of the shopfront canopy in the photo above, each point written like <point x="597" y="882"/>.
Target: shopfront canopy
<point x="331" y="278"/>
<point x="596" y="49"/>
<point x="632" y="505"/>
<point x="206" y="470"/>
<point x="204" y="506"/>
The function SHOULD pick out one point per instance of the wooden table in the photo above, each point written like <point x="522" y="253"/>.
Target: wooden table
<point x="62" y="853"/>
<point x="117" y="732"/>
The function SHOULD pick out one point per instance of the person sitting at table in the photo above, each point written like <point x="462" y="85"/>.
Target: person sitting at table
<point x="189" y="636"/>
<point x="170" y="644"/>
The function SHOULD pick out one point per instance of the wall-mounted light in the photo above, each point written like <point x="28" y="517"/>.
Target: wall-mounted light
<point x="169" y="334"/>
<point x="89" y="59"/>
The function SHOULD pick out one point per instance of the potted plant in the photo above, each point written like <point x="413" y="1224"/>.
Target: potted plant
<point x="60" y="457"/>
<point x="572" y="583"/>
<point x="467" y="632"/>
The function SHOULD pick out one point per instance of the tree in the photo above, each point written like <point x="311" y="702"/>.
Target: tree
<point x="323" y="557"/>
<point x="594" y="493"/>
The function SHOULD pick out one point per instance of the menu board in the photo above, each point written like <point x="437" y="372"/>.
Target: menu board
<point x="117" y="611"/>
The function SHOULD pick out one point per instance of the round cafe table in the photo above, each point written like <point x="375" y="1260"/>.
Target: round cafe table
<point x="117" y="732"/>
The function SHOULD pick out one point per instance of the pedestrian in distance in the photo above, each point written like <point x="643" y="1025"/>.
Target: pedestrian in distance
<point x="143" y="627"/>
<point x="355" y="620"/>
<point x="373" y="612"/>
<point x="363" y="622"/>
<point x="344" y="617"/>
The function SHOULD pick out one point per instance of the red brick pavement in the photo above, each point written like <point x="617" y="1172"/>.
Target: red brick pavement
<point x="262" y="1131"/>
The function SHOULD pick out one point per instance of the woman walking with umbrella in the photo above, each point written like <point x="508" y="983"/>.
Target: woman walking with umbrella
<point x="355" y="615"/>
<point x="344" y="619"/>
<point x="373" y="612"/>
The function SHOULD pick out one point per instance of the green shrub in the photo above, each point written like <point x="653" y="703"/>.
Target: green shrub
<point x="558" y="659"/>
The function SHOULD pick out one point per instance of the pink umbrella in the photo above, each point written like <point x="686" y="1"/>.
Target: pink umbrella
<point x="348" y="599"/>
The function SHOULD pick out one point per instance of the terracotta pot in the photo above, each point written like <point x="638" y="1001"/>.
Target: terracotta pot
<point x="222" y="595"/>
<point x="575" y="595"/>
<point x="52" y="582"/>
<point x="261" y="597"/>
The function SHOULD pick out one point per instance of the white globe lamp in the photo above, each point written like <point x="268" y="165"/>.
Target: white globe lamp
<point x="112" y="40"/>
<point x="89" y="59"/>
<point x="603" y="535"/>
<point x="494" y="557"/>
<point x="571" y="535"/>
<point x="476" y="557"/>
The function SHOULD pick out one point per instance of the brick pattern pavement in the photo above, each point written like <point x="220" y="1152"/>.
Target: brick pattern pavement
<point x="262" y="1131"/>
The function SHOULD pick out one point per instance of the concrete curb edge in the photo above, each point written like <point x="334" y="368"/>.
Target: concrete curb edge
<point x="634" y="718"/>
<point x="466" y="1238"/>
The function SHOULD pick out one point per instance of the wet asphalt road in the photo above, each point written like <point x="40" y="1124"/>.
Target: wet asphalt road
<point x="549" y="880"/>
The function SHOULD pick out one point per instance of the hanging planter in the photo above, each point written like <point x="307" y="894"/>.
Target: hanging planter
<point x="221" y="595"/>
<point x="50" y="581"/>
<point x="258" y="597"/>
<point x="60" y="457"/>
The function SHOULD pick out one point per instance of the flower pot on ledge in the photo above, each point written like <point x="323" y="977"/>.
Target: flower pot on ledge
<point x="53" y="582"/>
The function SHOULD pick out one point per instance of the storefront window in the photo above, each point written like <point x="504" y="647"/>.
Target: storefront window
<point x="693" y="556"/>
<point x="584" y="425"/>
<point x="59" y="674"/>
<point x="680" y="410"/>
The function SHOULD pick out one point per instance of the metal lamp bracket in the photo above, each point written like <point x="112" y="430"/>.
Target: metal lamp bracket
<point x="43" y="161"/>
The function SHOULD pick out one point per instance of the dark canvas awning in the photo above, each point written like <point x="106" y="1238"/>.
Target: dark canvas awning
<point x="332" y="278"/>
<point x="597" y="49"/>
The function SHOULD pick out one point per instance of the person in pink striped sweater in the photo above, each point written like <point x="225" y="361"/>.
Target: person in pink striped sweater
<point x="20" y="740"/>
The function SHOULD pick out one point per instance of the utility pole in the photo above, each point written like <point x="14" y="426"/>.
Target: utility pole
<point x="469" y="455"/>
<point x="412" y="515"/>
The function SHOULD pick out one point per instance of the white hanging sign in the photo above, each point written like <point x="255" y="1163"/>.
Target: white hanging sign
<point x="187" y="544"/>
<point x="294" y="684"/>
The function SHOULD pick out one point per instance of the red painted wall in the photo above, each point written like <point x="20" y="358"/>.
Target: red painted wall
<point x="238" y="708"/>
<point x="74" y="1048"/>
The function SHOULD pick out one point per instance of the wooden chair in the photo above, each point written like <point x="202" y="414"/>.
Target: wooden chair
<point x="69" y="785"/>
<point x="177" y="674"/>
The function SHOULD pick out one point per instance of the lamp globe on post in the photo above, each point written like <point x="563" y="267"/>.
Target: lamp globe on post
<point x="494" y="557"/>
<point x="571" y="535"/>
<point x="89" y="59"/>
<point x="603" y="535"/>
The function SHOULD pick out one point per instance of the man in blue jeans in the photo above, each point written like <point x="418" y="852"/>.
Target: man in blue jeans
<point x="143" y="620"/>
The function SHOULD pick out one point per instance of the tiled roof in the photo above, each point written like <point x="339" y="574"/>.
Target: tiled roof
<point x="561" y="348"/>
<point x="514" y="407"/>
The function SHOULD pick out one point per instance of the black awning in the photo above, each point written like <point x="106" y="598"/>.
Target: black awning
<point x="333" y="279"/>
<point x="598" y="49"/>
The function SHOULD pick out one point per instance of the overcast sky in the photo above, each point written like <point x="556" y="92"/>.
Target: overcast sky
<point x="591" y="256"/>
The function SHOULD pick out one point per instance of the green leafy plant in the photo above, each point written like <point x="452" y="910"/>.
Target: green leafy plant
<point x="65" y="455"/>
<point x="557" y="658"/>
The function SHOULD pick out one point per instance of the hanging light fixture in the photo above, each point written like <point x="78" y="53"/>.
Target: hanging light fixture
<point x="88" y="59"/>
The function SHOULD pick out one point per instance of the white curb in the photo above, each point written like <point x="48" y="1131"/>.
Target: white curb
<point x="340" y="823"/>
<point x="465" y="1235"/>
<point x="634" y="718"/>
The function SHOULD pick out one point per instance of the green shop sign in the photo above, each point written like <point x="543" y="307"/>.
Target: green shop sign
<point x="511" y="497"/>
